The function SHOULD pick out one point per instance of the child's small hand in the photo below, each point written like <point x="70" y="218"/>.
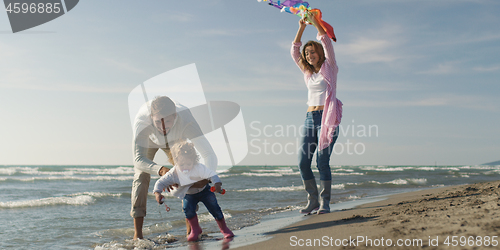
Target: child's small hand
<point x="171" y="187"/>
<point x="218" y="187"/>
<point x="159" y="197"/>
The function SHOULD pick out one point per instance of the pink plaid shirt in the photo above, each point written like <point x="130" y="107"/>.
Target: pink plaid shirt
<point x="332" y="113"/>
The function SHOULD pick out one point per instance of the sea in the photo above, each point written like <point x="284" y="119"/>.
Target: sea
<point x="87" y="207"/>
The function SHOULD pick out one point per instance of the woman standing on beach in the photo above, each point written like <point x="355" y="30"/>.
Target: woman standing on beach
<point x="317" y="63"/>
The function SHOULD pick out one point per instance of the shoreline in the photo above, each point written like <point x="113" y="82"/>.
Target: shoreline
<point x="426" y="217"/>
<point x="264" y="230"/>
<point x="250" y="235"/>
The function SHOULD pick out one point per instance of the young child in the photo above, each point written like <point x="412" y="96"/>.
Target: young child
<point x="188" y="170"/>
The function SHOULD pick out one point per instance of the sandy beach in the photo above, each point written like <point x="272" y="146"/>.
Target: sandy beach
<point x="456" y="217"/>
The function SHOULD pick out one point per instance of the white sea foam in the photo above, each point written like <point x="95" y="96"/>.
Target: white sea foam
<point x="284" y="189"/>
<point x="263" y="174"/>
<point x="208" y="217"/>
<point x="128" y="244"/>
<point x="272" y="189"/>
<point x="67" y="171"/>
<point x="343" y="169"/>
<point x="398" y="182"/>
<point x="85" y="198"/>
<point x="280" y="170"/>
<point x="353" y="197"/>
<point x="7" y="171"/>
<point x="415" y="181"/>
<point x="385" y="168"/>
<point x="342" y="174"/>
<point x="226" y="175"/>
<point x="426" y="168"/>
<point x="220" y="171"/>
<point x="491" y="172"/>
<point x="96" y="194"/>
<point x="275" y="210"/>
<point x="102" y="171"/>
<point x="14" y="170"/>
<point x="74" y="178"/>
<point x="272" y="172"/>
<point x="352" y="184"/>
<point x="52" y="201"/>
<point x="481" y="167"/>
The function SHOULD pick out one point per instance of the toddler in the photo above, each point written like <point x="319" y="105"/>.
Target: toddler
<point x="188" y="170"/>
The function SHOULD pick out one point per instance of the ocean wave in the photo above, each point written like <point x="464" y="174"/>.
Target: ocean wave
<point x="397" y="182"/>
<point x="284" y="189"/>
<point x="272" y="189"/>
<point x="342" y="174"/>
<point x="407" y="181"/>
<point x="413" y="181"/>
<point x="52" y="201"/>
<point x="263" y="174"/>
<point x="274" y="210"/>
<point x="343" y="169"/>
<point x="491" y="172"/>
<point x="74" y="178"/>
<point x="481" y="167"/>
<point x="96" y="194"/>
<point x="161" y="241"/>
<point x="66" y="171"/>
<point x="87" y="171"/>
<point x="82" y="199"/>
<point x="101" y="171"/>
<point x="205" y="217"/>
<point x="385" y="168"/>
<point x="226" y="175"/>
<point x="416" y="168"/>
<point x="353" y="197"/>
<point x="426" y="168"/>
<point x="280" y="170"/>
<point x="15" y="170"/>
<point x="272" y="174"/>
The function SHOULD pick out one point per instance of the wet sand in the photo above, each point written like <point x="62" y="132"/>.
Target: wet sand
<point x="456" y="217"/>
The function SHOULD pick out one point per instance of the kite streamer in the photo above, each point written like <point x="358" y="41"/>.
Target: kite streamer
<point x="301" y="8"/>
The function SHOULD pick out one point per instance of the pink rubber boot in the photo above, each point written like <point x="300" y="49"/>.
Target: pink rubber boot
<point x="224" y="229"/>
<point x="195" y="229"/>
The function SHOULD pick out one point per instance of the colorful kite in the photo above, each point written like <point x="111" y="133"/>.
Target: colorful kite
<point x="301" y="8"/>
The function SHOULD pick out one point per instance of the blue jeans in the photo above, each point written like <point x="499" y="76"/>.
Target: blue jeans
<point x="312" y="129"/>
<point x="208" y="198"/>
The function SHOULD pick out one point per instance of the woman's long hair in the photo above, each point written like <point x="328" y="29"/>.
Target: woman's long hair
<point x="319" y="49"/>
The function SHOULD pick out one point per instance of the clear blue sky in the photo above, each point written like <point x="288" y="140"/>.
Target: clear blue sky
<point x="424" y="73"/>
